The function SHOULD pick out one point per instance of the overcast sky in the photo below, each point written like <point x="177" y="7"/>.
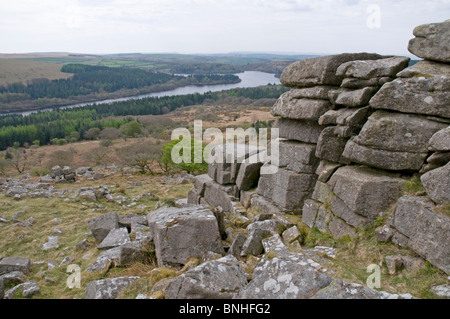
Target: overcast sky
<point x="214" y="26"/>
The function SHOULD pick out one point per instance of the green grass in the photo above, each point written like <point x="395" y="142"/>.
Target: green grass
<point x="355" y="254"/>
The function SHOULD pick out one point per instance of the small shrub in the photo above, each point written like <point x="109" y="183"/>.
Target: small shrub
<point x="414" y="187"/>
<point x="40" y="172"/>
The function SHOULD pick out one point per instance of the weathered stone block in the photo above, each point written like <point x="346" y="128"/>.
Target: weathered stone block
<point x="367" y="70"/>
<point x="248" y="175"/>
<point x="300" y="109"/>
<point x="356" y="98"/>
<point x="365" y="191"/>
<point x="102" y="225"/>
<point x="330" y="147"/>
<point x="428" y="232"/>
<point x="398" y="132"/>
<point x="421" y="89"/>
<point x="217" y="279"/>
<point x="432" y="41"/>
<point x="115" y="238"/>
<point x="437" y="184"/>
<point x="319" y="71"/>
<point x="309" y="212"/>
<point x="183" y="233"/>
<point x="325" y="170"/>
<point x="299" y="130"/>
<point x="298" y="157"/>
<point x="219" y="195"/>
<point x="107" y="288"/>
<point x="10" y="264"/>
<point x="338" y="228"/>
<point x="440" y="141"/>
<point x="287" y="189"/>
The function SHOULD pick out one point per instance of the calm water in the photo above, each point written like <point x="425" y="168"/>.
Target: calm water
<point x="248" y="79"/>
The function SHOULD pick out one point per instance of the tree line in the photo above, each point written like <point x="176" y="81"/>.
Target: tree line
<point x="88" y="79"/>
<point x="42" y="127"/>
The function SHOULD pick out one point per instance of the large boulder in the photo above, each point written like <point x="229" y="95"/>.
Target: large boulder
<point x="427" y="232"/>
<point x="10" y="264"/>
<point x="365" y="191"/>
<point x="183" y="233"/>
<point x="107" y="288"/>
<point x="287" y="189"/>
<point x="420" y="89"/>
<point x="437" y="184"/>
<point x="432" y="41"/>
<point x="217" y="279"/>
<point x="320" y="71"/>
<point x="285" y="276"/>
<point x="101" y="226"/>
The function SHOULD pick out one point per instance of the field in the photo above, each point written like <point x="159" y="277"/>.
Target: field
<point x="12" y="70"/>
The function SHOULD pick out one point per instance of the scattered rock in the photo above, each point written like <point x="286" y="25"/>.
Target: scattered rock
<point x="13" y="277"/>
<point x="115" y="238"/>
<point x="107" y="288"/>
<point x="102" y="225"/>
<point x="82" y="245"/>
<point x="340" y="289"/>
<point x="237" y="245"/>
<point x="384" y="234"/>
<point x="441" y="291"/>
<point x="393" y="263"/>
<point x="52" y="243"/>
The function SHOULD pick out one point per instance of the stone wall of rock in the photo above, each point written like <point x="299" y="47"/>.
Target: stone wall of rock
<point x="353" y="130"/>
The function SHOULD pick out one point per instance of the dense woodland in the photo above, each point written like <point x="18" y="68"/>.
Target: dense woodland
<point x="43" y="127"/>
<point x="92" y="80"/>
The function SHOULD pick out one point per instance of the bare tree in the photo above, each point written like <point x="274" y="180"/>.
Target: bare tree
<point x="144" y="155"/>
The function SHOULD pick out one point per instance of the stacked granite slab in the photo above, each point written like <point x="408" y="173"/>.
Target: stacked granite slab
<point x="387" y="122"/>
<point x="235" y="172"/>
<point x="327" y="105"/>
<point x="422" y="93"/>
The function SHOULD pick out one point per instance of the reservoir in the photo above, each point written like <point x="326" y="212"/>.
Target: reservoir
<point x="249" y="79"/>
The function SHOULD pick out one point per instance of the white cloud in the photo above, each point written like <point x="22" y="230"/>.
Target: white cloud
<point x="326" y="26"/>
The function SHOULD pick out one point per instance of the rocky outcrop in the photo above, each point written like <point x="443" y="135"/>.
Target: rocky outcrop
<point x="354" y="128"/>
